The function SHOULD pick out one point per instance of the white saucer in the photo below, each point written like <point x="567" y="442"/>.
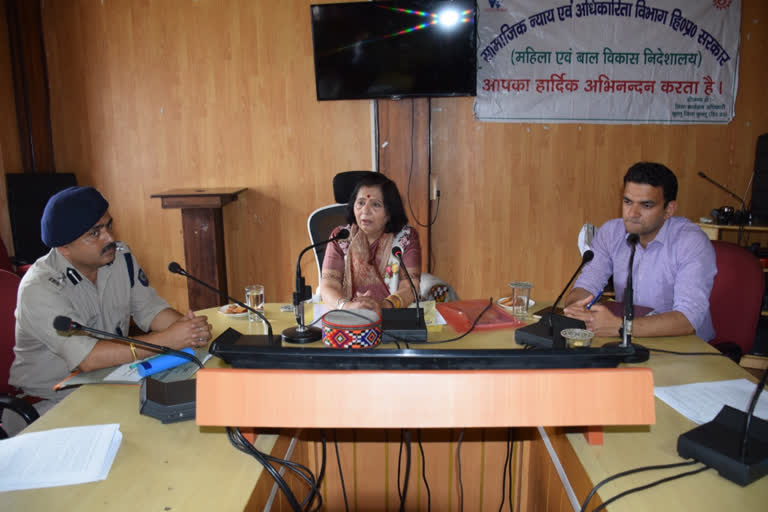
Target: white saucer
<point x="531" y="303"/>
<point x="223" y="311"/>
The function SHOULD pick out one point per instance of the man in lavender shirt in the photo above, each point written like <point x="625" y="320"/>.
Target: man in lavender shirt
<point x="673" y="269"/>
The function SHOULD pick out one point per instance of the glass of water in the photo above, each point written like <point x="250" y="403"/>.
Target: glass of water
<point x="254" y="298"/>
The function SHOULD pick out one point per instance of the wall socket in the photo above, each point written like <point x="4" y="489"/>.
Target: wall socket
<point x="433" y="188"/>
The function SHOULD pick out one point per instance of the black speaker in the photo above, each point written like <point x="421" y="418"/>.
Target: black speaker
<point x="760" y="183"/>
<point x="28" y="194"/>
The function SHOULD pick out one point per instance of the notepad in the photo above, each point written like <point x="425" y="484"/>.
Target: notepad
<point x="62" y="456"/>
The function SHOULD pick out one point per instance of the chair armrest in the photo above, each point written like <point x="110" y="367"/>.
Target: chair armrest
<point x="20" y="407"/>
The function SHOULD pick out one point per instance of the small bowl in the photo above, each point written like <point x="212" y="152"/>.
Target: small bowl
<point x="576" y="338"/>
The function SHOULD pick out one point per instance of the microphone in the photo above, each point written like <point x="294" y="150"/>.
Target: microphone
<point x="718" y="185"/>
<point x="176" y="269"/>
<point x="585" y="258"/>
<point x="66" y="324"/>
<point x="629" y="306"/>
<point x="168" y="402"/>
<point x="546" y="332"/>
<point x="398" y="253"/>
<point x="301" y="333"/>
<point x="741" y="217"/>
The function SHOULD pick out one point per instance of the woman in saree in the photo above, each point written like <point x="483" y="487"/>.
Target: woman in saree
<point x="361" y="272"/>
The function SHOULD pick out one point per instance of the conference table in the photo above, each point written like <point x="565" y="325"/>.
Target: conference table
<point x="185" y="466"/>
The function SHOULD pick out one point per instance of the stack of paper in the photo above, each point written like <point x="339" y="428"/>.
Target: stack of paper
<point x="702" y="401"/>
<point x="63" y="456"/>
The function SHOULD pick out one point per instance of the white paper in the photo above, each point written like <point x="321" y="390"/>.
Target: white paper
<point x="62" y="456"/>
<point x="702" y="401"/>
<point x="124" y="373"/>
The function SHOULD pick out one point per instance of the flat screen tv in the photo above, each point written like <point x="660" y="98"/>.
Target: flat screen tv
<point x="396" y="49"/>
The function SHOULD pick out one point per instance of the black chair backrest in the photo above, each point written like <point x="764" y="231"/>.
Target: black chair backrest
<point x="321" y="223"/>
<point x="344" y="183"/>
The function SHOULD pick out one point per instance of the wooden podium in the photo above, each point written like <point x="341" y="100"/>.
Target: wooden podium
<point x="203" y="229"/>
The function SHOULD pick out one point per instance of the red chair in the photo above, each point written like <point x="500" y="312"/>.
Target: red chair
<point x="736" y="297"/>
<point x="6" y="263"/>
<point x="9" y="287"/>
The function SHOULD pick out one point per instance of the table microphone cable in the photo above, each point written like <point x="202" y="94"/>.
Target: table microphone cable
<point x="405" y="438"/>
<point x="341" y="473"/>
<point x="507" y="464"/>
<point x="241" y="443"/>
<point x="424" y="470"/>
<point x="471" y="328"/>
<point x="638" y="470"/>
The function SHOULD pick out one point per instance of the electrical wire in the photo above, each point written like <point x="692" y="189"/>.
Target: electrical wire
<point x="472" y="327"/>
<point x="407" y="435"/>
<point x="238" y="441"/>
<point x="410" y="175"/>
<point x="341" y="473"/>
<point x="648" y="486"/>
<point x="458" y="468"/>
<point x="507" y="464"/>
<point x="631" y="472"/>
<point x="687" y="353"/>
<point x="424" y="471"/>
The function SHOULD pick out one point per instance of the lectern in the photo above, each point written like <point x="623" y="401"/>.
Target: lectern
<point x="203" y="232"/>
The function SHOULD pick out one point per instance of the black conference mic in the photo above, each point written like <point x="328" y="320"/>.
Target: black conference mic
<point x="176" y="269"/>
<point x="629" y="299"/>
<point x="546" y="332"/>
<point x="66" y="324"/>
<point x="397" y="252"/>
<point x="302" y="333"/>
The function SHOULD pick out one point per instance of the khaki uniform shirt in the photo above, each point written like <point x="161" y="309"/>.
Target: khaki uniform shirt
<point x="53" y="287"/>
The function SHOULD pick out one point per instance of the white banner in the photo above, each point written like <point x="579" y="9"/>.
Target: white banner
<point x="609" y="61"/>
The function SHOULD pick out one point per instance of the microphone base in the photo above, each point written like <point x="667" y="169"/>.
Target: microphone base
<point x="543" y="335"/>
<point x="718" y="444"/>
<point x="640" y="355"/>
<point x="403" y="324"/>
<point x="303" y="336"/>
<point x="168" y="402"/>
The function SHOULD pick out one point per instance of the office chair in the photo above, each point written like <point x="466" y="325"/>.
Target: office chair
<point x="736" y="299"/>
<point x="7" y="263"/>
<point x="9" y="287"/>
<point x="323" y="220"/>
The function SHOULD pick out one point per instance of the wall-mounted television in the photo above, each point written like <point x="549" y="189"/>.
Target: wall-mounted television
<point x="395" y="49"/>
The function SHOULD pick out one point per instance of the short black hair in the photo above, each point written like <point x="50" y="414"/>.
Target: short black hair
<point x="392" y="201"/>
<point x="655" y="175"/>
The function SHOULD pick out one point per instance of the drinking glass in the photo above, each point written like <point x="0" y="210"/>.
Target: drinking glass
<point x="254" y="297"/>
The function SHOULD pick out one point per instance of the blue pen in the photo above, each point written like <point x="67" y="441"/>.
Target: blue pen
<point x="592" y="303"/>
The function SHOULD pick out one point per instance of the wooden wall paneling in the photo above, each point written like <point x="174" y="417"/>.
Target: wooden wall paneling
<point x="515" y="195"/>
<point x="10" y="154"/>
<point x="149" y="96"/>
<point x="30" y="82"/>
<point x="404" y="157"/>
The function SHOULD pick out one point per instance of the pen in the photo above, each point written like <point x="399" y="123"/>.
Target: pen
<point x="597" y="297"/>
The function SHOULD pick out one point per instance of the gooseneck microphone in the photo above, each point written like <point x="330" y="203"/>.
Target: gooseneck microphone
<point x="301" y="333"/>
<point x="585" y="258"/>
<point x="66" y="324"/>
<point x="721" y="187"/>
<point x="546" y="332"/>
<point x="176" y="269"/>
<point x="629" y="299"/>
<point x="398" y="253"/>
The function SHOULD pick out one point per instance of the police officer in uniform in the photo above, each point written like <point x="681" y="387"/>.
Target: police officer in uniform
<point x="97" y="282"/>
